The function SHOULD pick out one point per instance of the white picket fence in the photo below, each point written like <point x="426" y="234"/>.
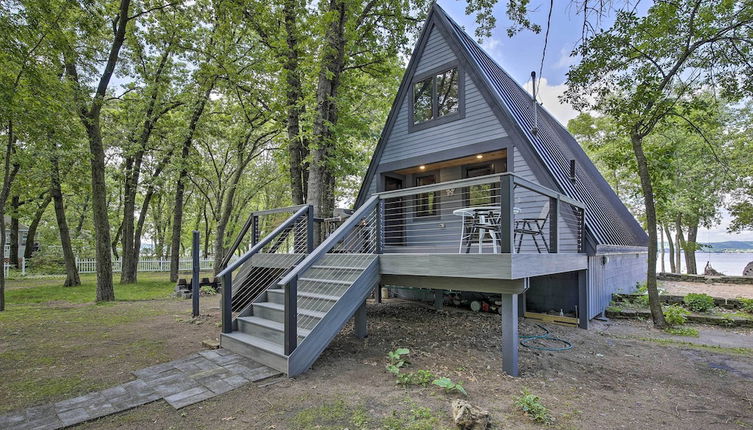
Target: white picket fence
<point x="6" y="267"/>
<point x="89" y="265"/>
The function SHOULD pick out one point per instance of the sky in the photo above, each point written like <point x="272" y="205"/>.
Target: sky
<point x="521" y="54"/>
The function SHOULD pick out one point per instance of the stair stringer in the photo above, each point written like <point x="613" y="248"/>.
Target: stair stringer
<point x="309" y="350"/>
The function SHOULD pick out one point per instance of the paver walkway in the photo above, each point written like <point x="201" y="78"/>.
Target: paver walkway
<point x="181" y="383"/>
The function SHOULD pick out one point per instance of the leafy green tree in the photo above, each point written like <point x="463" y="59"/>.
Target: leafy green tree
<point x="643" y="69"/>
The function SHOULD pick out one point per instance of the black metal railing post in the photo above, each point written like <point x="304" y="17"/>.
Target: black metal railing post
<point x="227" y="302"/>
<point x="379" y="233"/>
<point x="195" y="274"/>
<point x="554" y="229"/>
<point x="291" y="315"/>
<point x="506" y="220"/>
<point x="254" y="229"/>
<point x="310" y="229"/>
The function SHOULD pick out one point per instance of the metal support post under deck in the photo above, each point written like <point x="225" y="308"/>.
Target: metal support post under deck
<point x="291" y="315"/>
<point x="583" y="299"/>
<point x="227" y="302"/>
<point x="360" y="322"/>
<point x="510" y="334"/>
<point x="195" y="277"/>
<point x="438" y="299"/>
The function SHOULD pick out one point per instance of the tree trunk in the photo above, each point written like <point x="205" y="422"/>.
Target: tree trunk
<point x="180" y="186"/>
<point x="90" y="119"/>
<point x="82" y="218"/>
<point x="132" y="243"/>
<point x="297" y="146"/>
<point x="15" y="203"/>
<point x="71" y="272"/>
<point x="225" y="212"/>
<point x="9" y="175"/>
<point x="32" y="233"/>
<point x="207" y="231"/>
<point x="321" y="193"/>
<point x="661" y="243"/>
<point x="130" y="186"/>
<point x="671" y="249"/>
<point x="690" y="247"/>
<point x="648" y="197"/>
<point x="680" y="243"/>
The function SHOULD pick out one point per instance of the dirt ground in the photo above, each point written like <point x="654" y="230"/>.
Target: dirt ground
<point x="724" y="291"/>
<point x="618" y="375"/>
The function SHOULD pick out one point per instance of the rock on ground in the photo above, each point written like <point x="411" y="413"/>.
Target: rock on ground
<point x="469" y="417"/>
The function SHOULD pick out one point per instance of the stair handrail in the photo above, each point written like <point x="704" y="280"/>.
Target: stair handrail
<point x="247" y="225"/>
<point x="289" y="283"/>
<point x="227" y="274"/>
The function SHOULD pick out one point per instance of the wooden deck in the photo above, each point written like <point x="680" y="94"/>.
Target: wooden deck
<point x="487" y="273"/>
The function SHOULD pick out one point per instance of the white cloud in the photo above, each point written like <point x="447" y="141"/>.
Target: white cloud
<point x="492" y="46"/>
<point x="565" y="60"/>
<point x="548" y="96"/>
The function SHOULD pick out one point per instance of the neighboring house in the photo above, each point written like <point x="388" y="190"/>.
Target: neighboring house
<point x="23" y="231"/>
<point x="471" y="188"/>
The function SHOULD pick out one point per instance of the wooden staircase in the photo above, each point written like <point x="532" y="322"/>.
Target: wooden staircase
<point x="325" y="286"/>
<point x="329" y="286"/>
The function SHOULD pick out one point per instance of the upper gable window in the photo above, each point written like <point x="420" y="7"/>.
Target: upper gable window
<point x="436" y="97"/>
<point x="447" y="92"/>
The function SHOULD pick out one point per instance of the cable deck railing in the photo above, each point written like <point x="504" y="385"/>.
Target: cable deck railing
<point x="499" y="213"/>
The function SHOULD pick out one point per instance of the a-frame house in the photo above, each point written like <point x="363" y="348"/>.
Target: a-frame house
<point x="472" y="188"/>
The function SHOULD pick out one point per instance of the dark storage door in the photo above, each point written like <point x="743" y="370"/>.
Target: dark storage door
<point x="394" y="214"/>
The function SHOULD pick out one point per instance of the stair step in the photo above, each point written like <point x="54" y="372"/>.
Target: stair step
<point x="263" y="351"/>
<point x="337" y="267"/>
<point x="276" y="312"/>
<point x="324" y="287"/>
<point x="328" y="281"/>
<point x="278" y="295"/>
<point x="272" y="331"/>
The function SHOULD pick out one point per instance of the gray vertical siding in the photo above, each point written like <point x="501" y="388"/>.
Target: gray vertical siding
<point x="479" y="124"/>
<point x="534" y="205"/>
<point x="620" y="274"/>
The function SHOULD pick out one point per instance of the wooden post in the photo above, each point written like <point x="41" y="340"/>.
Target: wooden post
<point x="554" y="226"/>
<point x="291" y="315"/>
<point x="510" y="334"/>
<point x="506" y="222"/>
<point x="360" y="322"/>
<point x="195" y="278"/>
<point x="583" y="299"/>
<point x="227" y="303"/>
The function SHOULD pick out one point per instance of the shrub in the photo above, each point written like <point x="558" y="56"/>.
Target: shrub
<point x="449" y="386"/>
<point x="682" y="331"/>
<point x="420" y="377"/>
<point x="699" y="302"/>
<point x="747" y="305"/>
<point x="675" y="315"/>
<point x="207" y="290"/>
<point x="642" y="300"/>
<point x="532" y="407"/>
<point x="396" y="360"/>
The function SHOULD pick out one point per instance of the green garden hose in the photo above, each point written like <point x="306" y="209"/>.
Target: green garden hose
<point x="546" y="336"/>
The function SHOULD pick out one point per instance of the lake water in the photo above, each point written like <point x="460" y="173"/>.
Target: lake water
<point x="731" y="264"/>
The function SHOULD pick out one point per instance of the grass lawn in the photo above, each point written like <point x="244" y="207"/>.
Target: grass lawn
<point x="55" y="342"/>
<point x="151" y="285"/>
